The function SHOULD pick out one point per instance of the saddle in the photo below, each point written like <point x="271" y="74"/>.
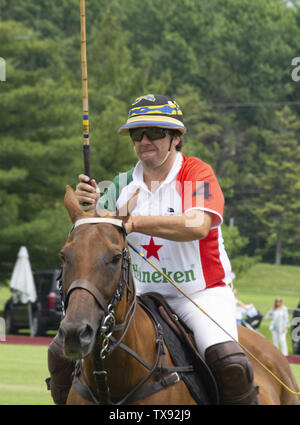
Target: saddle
<point x="181" y="345"/>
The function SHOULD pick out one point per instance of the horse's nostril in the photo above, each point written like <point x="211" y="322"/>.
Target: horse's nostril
<point x="77" y="337"/>
<point x="86" y="335"/>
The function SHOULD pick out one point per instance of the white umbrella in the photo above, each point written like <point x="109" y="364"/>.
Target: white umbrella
<point x="22" y="282"/>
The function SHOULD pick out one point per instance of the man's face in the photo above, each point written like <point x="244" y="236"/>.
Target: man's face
<point x="153" y="146"/>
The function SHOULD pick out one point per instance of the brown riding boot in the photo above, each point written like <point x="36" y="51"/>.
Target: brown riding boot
<point x="233" y="373"/>
<point x="61" y="370"/>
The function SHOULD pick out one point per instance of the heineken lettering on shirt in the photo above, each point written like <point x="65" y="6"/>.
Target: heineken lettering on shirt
<point x="156" y="277"/>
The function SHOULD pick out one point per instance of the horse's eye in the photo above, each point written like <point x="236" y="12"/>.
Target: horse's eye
<point x="116" y="258"/>
<point x="63" y="257"/>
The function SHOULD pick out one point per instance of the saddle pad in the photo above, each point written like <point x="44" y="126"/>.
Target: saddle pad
<point x="200" y="382"/>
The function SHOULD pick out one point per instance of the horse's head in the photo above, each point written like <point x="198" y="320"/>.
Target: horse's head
<point x="93" y="269"/>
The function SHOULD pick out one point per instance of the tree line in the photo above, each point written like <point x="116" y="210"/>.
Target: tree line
<point x="228" y="63"/>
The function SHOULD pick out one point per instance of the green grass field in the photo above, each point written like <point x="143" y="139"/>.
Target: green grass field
<point x="23" y="369"/>
<point x="296" y="371"/>
<point x="262" y="283"/>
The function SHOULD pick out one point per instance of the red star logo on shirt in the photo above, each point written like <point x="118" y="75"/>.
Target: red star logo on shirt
<point x="152" y="249"/>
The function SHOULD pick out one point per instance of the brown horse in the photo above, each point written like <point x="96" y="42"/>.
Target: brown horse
<point x="98" y="288"/>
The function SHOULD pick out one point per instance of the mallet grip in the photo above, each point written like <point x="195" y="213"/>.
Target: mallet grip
<point x="86" y="158"/>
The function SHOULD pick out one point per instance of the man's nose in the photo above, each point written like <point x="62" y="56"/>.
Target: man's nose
<point x="145" y="139"/>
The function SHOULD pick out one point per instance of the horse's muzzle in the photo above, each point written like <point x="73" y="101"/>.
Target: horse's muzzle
<point x="78" y="339"/>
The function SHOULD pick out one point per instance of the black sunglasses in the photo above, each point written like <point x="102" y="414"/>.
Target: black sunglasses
<point x="153" y="133"/>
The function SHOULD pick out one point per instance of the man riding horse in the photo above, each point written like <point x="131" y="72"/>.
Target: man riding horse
<point x="177" y="221"/>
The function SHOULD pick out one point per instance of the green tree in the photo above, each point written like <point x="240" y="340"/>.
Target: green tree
<point x="114" y="82"/>
<point x="235" y="245"/>
<point x="37" y="144"/>
<point x="211" y="136"/>
<point x="228" y="63"/>
<point x="278" y="183"/>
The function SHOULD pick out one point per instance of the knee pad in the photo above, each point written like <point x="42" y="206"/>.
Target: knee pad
<point x="233" y="373"/>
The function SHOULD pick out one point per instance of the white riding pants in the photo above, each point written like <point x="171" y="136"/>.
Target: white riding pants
<point x="279" y="339"/>
<point x="219" y="303"/>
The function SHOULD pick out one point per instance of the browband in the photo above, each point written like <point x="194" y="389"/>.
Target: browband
<point x="95" y="220"/>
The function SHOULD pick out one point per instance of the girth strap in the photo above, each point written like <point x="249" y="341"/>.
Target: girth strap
<point x="143" y="392"/>
<point x="151" y="388"/>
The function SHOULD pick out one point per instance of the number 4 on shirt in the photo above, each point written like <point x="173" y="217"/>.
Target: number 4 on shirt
<point x="203" y="190"/>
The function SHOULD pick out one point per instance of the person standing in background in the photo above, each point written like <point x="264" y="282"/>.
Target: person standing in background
<point x="279" y="324"/>
<point x="241" y="308"/>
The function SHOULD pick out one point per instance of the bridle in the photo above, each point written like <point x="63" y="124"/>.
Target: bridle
<point x="108" y="323"/>
<point x="88" y="286"/>
<point x="109" y="342"/>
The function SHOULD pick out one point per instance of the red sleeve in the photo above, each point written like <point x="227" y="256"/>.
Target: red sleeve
<point x="199" y="188"/>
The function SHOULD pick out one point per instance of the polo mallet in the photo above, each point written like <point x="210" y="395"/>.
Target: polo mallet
<point x="85" y="98"/>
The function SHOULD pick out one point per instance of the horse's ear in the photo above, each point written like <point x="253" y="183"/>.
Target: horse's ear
<point x="105" y="213"/>
<point x="72" y="205"/>
<point x="125" y="211"/>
